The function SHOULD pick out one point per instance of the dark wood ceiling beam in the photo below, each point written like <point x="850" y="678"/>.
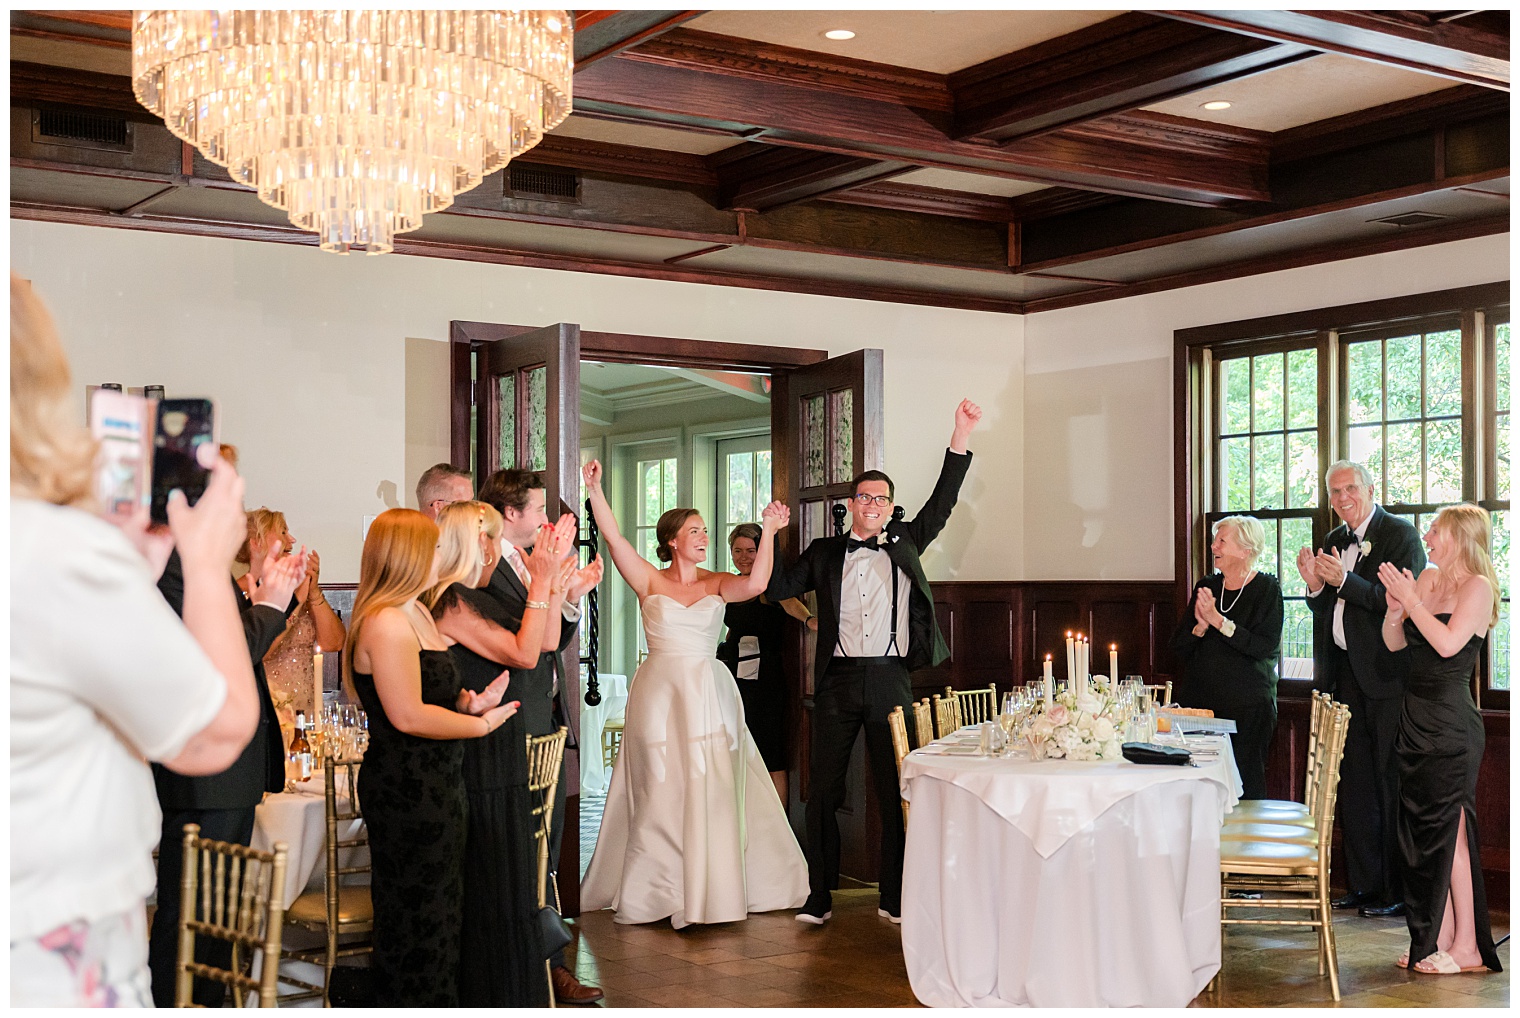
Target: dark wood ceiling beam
<point x="1121" y="158"/>
<point x="1429" y="112"/>
<point x="66" y="86"/>
<point x="765" y="177"/>
<point x="1461" y="49"/>
<point x="934" y="201"/>
<point x="601" y="34"/>
<point x="407" y="244"/>
<point x="623" y="160"/>
<point x="1120" y="64"/>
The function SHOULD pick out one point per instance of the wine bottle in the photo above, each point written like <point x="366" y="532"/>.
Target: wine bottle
<point x="300" y="749"/>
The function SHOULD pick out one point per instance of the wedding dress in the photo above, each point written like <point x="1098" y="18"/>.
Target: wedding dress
<point x="693" y="828"/>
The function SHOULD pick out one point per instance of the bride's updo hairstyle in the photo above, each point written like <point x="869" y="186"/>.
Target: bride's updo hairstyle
<point x="668" y="528"/>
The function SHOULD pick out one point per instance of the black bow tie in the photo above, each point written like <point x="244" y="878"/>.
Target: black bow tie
<point x="1346" y="541"/>
<point x="870" y="544"/>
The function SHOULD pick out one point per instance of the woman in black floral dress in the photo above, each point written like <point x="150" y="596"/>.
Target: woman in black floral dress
<point x="411" y="787"/>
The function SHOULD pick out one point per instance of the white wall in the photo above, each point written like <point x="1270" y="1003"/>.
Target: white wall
<point x="314" y="360"/>
<point x="1098" y="399"/>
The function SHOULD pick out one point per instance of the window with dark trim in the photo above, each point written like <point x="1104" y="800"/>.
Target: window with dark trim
<point x="1416" y="388"/>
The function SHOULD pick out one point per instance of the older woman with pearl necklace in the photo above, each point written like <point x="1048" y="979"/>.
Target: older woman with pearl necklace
<point x="1228" y="642"/>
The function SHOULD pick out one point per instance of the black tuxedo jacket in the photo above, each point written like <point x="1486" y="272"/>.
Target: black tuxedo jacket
<point x="261" y="768"/>
<point x="821" y="568"/>
<point x="533" y="687"/>
<point x="1393" y="540"/>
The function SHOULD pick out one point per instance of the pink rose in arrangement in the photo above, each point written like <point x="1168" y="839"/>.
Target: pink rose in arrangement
<point x="1058" y="714"/>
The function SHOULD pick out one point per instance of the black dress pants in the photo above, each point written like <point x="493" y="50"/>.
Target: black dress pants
<point x="856" y="693"/>
<point x="234" y="825"/>
<point x="1369" y="790"/>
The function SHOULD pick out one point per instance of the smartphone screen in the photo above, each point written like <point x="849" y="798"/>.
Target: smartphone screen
<point x="124" y="427"/>
<point x="185" y="426"/>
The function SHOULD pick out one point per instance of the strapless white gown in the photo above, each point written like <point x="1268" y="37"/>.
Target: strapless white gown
<point x="693" y="828"/>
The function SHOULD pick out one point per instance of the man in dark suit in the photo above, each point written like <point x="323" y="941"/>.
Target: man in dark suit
<point x="1349" y="603"/>
<point x="875" y="625"/>
<point x="222" y="804"/>
<point x="520" y="497"/>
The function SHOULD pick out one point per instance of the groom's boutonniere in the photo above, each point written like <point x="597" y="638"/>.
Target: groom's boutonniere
<point x="1365" y="548"/>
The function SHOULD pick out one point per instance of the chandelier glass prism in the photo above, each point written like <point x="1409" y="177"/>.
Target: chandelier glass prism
<point x="356" y="123"/>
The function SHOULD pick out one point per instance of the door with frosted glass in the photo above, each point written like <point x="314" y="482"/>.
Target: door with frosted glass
<point x="826" y="422"/>
<point x="528" y="415"/>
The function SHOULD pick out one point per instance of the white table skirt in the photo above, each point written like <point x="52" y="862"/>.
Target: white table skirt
<point x="1119" y="909"/>
<point x="596" y="779"/>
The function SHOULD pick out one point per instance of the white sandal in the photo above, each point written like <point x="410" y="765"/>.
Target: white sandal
<point x="1442" y="964"/>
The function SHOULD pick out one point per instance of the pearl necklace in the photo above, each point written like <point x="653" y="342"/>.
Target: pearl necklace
<point x="1224" y="608"/>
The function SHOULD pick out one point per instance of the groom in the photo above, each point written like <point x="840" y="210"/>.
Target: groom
<point x="875" y="625"/>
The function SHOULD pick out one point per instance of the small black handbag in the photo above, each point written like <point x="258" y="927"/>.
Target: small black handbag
<point x="1151" y="753"/>
<point x="553" y="930"/>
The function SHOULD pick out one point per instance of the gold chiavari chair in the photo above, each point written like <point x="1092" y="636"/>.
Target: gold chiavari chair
<point x="923" y="722"/>
<point x="899" y="726"/>
<point x="612" y="741"/>
<point x="343" y="907"/>
<point x="544" y="755"/>
<point x="1286" y="811"/>
<point x="1161" y="694"/>
<point x="232" y="893"/>
<point x="977" y="705"/>
<point x="1277" y="866"/>
<point x="947" y="715"/>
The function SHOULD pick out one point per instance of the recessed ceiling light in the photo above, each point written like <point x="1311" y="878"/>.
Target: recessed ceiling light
<point x="839" y="34"/>
<point x="1218" y="104"/>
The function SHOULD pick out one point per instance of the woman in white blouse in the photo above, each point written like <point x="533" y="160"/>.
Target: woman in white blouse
<point x="104" y="677"/>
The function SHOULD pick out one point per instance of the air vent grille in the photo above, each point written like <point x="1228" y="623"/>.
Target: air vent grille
<point x="67" y="126"/>
<point x="1410" y="219"/>
<point x="543" y="183"/>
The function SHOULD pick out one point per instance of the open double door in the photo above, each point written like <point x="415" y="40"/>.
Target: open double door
<point x="520" y="407"/>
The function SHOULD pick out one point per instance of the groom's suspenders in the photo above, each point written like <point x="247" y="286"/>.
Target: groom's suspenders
<point x="892" y="649"/>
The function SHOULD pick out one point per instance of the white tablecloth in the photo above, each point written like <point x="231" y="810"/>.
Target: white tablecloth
<point x="1056" y="884"/>
<point x="595" y="779"/>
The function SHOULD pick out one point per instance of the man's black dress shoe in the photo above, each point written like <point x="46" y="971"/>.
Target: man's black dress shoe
<point x="1355" y="899"/>
<point x="1383" y="911"/>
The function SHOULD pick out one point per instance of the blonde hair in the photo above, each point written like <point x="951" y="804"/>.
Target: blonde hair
<point x="393" y="569"/>
<point x="1249" y="534"/>
<point x="262" y="522"/>
<point x="52" y="454"/>
<point x="1471" y="531"/>
<point x="460" y="526"/>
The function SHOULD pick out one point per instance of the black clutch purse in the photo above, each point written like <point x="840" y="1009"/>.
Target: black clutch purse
<point x="1151" y="753"/>
<point x="554" y="931"/>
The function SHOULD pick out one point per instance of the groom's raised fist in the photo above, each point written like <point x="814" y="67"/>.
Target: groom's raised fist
<point x="966" y="417"/>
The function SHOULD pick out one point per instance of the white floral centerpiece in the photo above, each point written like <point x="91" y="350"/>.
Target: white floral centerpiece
<point x="1078" y="726"/>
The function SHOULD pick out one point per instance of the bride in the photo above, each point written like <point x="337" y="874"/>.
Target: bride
<point x="693" y="828"/>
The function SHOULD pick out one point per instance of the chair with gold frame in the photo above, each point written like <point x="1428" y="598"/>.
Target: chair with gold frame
<point x="947" y="715"/>
<point x="612" y="741"/>
<point x="1161" y="693"/>
<point x="898" y="723"/>
<point x="977" y="705"/>
<point x="1275" y="863"/>
<point x="544" y="755"/>
<point x="232" y="893"/>
<point x="923" y="722"/>
<point x="342" y="908"/>
<point x="1286" y="811"/>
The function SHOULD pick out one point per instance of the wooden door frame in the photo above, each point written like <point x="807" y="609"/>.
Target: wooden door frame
<point x="629" y="349"/>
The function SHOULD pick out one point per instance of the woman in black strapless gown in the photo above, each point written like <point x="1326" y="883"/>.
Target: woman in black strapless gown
<point x="1439" y="744"/>
<point x="501" y="955"/>
<point x="411" y="789"/>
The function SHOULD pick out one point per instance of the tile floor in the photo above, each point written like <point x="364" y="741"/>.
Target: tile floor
<point x="856" y="960"/>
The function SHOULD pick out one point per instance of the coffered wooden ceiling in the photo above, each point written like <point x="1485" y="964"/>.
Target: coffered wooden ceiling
<point x="1009" y="161"/>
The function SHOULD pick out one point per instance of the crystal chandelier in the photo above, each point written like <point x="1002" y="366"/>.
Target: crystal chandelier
<point x="355" y="123"/>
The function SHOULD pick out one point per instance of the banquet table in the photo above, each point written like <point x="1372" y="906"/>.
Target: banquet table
<point x="1055" y="883"/>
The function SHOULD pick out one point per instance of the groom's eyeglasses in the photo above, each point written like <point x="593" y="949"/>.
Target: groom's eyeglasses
<point x="865" y="500"/>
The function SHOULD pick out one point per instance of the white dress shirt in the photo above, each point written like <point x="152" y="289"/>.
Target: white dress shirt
<point x="1349" y="556"/>
<point x="865" y="605"/>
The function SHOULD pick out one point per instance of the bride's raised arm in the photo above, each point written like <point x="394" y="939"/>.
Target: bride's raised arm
<point x="633" y="567"/>
<point x="733" y="587"/>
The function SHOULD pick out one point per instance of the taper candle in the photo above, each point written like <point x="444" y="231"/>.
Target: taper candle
<point x="1071" y="660"/>
<point x="1113" y="666"/>
<point x="1050" y="680"/>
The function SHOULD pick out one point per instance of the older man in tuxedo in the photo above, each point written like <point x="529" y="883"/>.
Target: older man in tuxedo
<point x="875" y="625"/>
<point x="520" y="497"/>
<point x="1349" y="603"/>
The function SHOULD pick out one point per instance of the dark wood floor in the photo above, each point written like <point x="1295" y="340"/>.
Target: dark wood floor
<point x="856" y="961"/>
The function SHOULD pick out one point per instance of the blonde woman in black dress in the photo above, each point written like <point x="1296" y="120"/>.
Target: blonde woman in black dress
<point x="1439" y="623"/>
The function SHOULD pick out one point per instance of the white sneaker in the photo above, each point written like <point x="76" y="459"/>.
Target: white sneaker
<point x="816" y="920"/>
<point x="888" y="915"/>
